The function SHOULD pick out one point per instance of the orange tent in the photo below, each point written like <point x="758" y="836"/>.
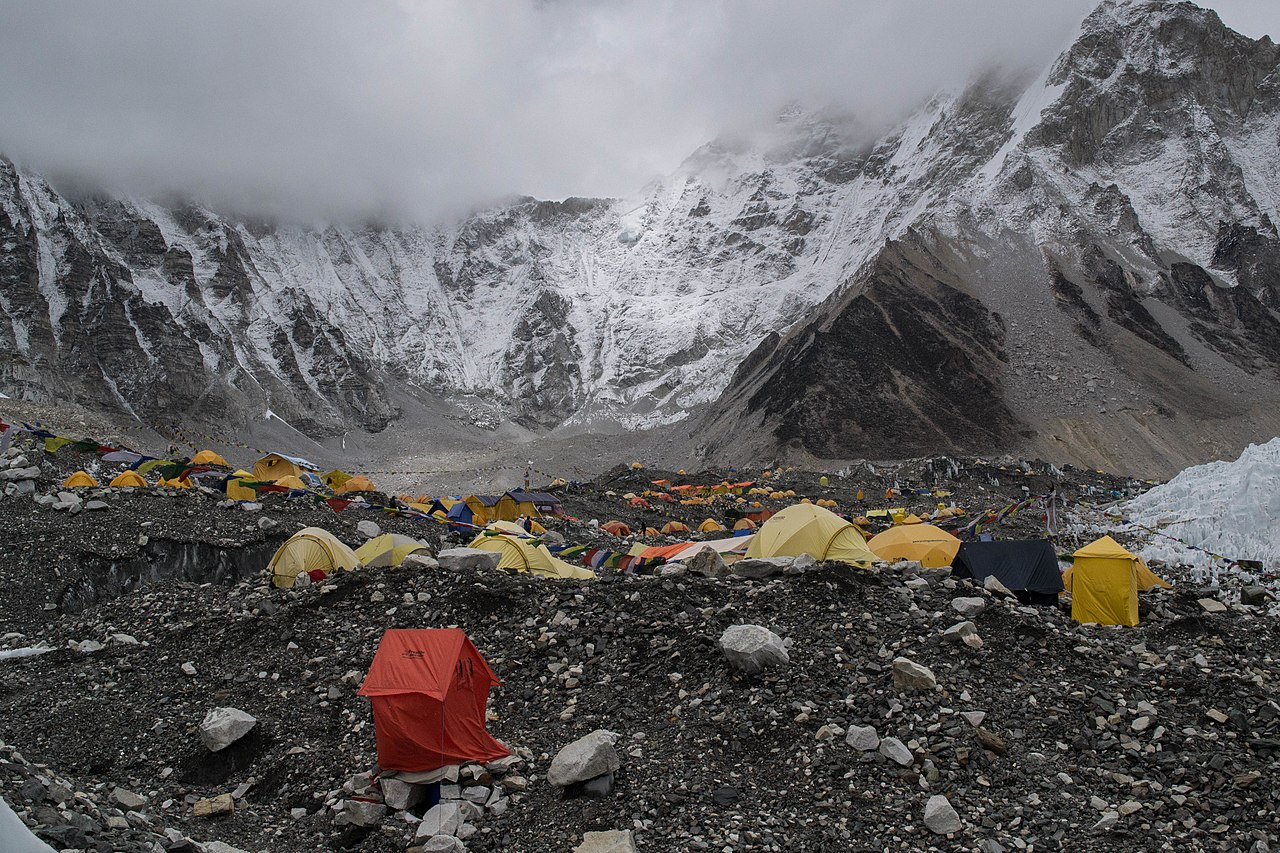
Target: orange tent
<point x="128" y="480"/>
<point x="430" y="690"/>
<point x="675" y="527"/>
<point x="617" y="528"/>
<point x="358" y="483"/>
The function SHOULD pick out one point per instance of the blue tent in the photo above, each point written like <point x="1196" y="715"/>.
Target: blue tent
<point x="460" y="512"/>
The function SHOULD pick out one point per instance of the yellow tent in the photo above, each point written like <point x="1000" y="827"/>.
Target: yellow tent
<point x="208" y="457"/>
<point x="79" y="480"/>
<point x="335" y="478"/>
<point x="710" y="525"/>
<point x="236" y="490"/>
<point x="290" y="482"/>
<point x="273" y="466"/>
<point x="1104" y="582"/>
<point x="128" y="480"/>
<point x="521" y="555"/>
<point x="932" y="547"/>
<point x="174" y="483"/>
<point x="310" y="549"/>
<point x="358" y="483"/>
<point x="744" y="524"/>
<point x="389" y="549"/>
<point x="813" y="530"/>
<point x="672" y="527"/>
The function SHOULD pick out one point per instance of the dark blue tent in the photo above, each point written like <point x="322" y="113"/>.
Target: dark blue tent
<point x="460" y="512"/>
<point x="1027" y="568"/>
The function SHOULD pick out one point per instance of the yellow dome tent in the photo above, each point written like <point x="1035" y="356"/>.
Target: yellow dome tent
<point x="810" y="529"/>
<point x="174" y="483"/>
<point x="79" y="480"/>
<point x="932" y="547"/>
<point x="310" y="549"/>
<point x="335" y="479"/>
<point x="208" y="457"/>
<point x="237" y="490"/>
<point x="710" y="525"/>
<point x="389" y="549"/>
<point x="358" y="483"/>
<point x="672" y="527"/>
<point x="744" y="524"/>
<point x="521" y="555"/>
<point x="290" y="482"/>
<point x="1104" y="583"/>
<point x="128" y="480"/>
<point x="273" y="466"/>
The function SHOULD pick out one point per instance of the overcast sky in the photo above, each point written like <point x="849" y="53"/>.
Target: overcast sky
<point x="406" y="107"/>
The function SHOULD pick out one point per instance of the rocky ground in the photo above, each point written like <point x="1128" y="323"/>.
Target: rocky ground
<point x="1043" y="734"/>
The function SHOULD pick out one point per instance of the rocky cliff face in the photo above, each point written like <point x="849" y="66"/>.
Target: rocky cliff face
<point x="1108" y="272"/>
<point x="1097" y="242"/>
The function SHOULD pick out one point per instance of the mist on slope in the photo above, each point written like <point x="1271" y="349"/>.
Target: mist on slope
<point x="409" y="109"/>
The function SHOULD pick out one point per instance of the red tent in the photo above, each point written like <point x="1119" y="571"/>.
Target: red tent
<point x="429" y="689"/>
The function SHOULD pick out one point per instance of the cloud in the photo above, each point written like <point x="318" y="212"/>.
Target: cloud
<point x="325" y="109"/>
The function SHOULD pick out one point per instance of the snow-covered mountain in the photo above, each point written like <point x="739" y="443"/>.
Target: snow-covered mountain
<point x="1015" y="263"/>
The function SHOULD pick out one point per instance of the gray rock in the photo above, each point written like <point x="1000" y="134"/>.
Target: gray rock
<point x="421" y="561"/>
<point x="1107" y="821"/>
<point x="21" y="488"/>
<point x="468" y="559"/>
<point x="940" y="817"/>
<point x="800" y="565"/>
<point x="360" y="813"/>
<point x="399" y="794"/>
<point x="444" y="844"/>
<point x="957" y="632"/>
<point x="896" y="751"/>
<point x="864" y="738"/>
<point x="909" y="675"/>
<point x="609" y="841"/>
<point x="992" y="585"/>
<point x="96" y="506"/>
<point x="222" y="727"/>
<point x="753" y="648"/>
<point x="706" y="562"/>
<point x="476" y="794"/>
<point x="368" y="529"/>
<point x="251" y="506"/>
<point x="586" y="758"/>
<point x="1212" y="605"/>
<point x="219" y="847"/>
<point x="1254" y="596"/>
<point x="128" y="799"/>
<point x="974" y="718"/>
<point x="444" y="818"/>
<point x="760" y="567"/>
<point x="968" y="606"/>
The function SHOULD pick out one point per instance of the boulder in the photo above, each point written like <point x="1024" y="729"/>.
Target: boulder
<point x="127" y="799"/>
<point x="368" y="529"/>
<point x="706" y="562"/>
<point x="222" y="727"/>
<point x="800" y="565"/>
<point x="223" y="804"/>
<point x="896" y="751"/>
<point x="360" y="813"/>
<point x="957" y="632"/>
<point x="444" y="818"/>
<point x="420" y="561"/>
<point x="1212" y="605"/>
<point x="468" y="559"/>
<point x="909" y="675"/>
<point x="761" y="567"/>
<point x="1254" y="596"/>
<point x="864" y="738"/>
<point x="992" y="585"/>
<point x="586" y="758"/>
<point x="940" y="817"/>
<point x="753" y="648"/>
<point x="399" y="794"/>
<point x="443" y="844"/>
<point x="609" y="841"/>
<point x="968" y="606"/>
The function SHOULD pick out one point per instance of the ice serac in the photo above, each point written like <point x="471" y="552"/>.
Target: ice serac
<point x="1084" y="263"/>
